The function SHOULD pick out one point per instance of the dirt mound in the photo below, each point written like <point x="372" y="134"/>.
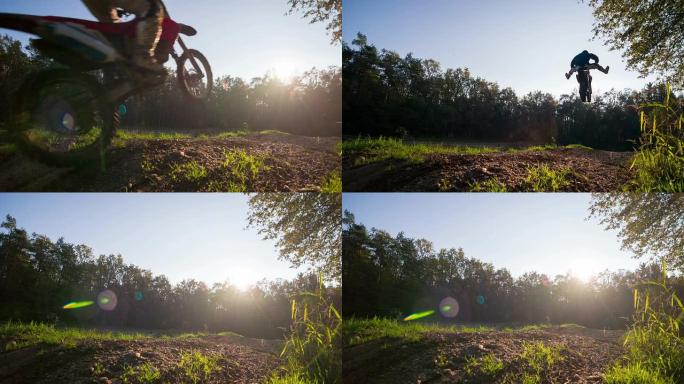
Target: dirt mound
<point x="283" y="163"/>
<point x="441" y="357"/>
<point x="239" y="360"/>
<point x="591" y="171"/>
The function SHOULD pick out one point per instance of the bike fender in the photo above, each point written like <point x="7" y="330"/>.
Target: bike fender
<point x="81" y="39"/>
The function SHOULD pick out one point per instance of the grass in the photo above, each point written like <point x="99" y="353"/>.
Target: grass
<point x="655" y="344"/>
<point x="380" y="149"/>
<point x="24" y="335"/>
<point x="241" y="167"/>
<point x="484" y="368"/>
<point x="360" y="331"/>
<point x="190" y="171"/>
<point x="312" y="352"/>
<point x="145" y="373"/>
<point x="196" y="367"/>
<point x="123" y="135"/>
<point x="489" y="185"/>
<point x="634" y="373"/>
<point x="544" y="179"/>
<point x="540" y="357"/>
<point x="8" y="148"/>
<point x="372" y="150"/>
<point x="332" y="183"/>
<point x="659" y="163"/>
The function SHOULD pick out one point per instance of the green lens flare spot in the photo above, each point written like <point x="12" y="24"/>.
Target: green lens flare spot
<point x="418" y="315"/>
<point x="104" y="300"/>
<point x="446" y="308"/>
<point x="123" y="110"/>
<point x="78" y="304"/>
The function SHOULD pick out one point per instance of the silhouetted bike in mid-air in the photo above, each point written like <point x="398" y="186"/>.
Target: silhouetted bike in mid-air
<point x="584" y="80"/>
<point x="72" y="112"/>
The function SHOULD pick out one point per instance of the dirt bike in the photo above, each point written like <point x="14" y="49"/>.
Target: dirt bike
<point x="584" y="79"/>
<point x="71" y="113"/>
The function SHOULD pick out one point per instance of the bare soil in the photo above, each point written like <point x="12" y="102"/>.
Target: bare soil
<point x="241" y="360"/>
<point x="592" y="171"/>
<point x="292" y="163"/>
<point x="441" y="357"/>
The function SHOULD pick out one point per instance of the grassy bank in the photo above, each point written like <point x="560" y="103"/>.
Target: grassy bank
<point x="371" y="150"/>
<point x="24" y="335"/>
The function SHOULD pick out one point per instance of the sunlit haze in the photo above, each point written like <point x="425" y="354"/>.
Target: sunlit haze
<point x="546" y="233"/>
<point x="526" y="44"/>
<point x="241" y="38"/>
<point x="183" y="236"/>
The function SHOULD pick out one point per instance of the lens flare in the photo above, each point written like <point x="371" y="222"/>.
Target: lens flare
<point x="448" y="307"/>
<point x="68" y="122"/>
<point x="480" y="300"/>
<point x="419" y="315"/>
<point x="78" y="304"/>
<point x="107" y="300"/>
<point x="138" y="296"/>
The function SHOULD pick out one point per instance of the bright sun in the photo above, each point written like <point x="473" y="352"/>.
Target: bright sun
<point x="286" y="69"/>
<point x="243" y="278"/>
<point x="584" y="268"/>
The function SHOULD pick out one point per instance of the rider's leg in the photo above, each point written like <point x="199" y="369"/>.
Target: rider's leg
<point x="572" y="70"/>
<point x="102" y="10"/>
<point x="599" y="67"/>
<point x="149" y="28"/>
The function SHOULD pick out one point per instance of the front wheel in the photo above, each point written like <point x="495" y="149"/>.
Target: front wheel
<point x="59" y="116"/>
<point x="194" y="75"/>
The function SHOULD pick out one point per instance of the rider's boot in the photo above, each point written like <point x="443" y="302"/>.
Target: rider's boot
<point x="147" y="37"/>
<point x="567" y="76"/>
<point x="607" y="69"/>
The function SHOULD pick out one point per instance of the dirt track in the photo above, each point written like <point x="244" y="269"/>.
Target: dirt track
<point x="586" y="354"/>
<point x="290" y="163"/>
<point x="592" y="171"/>
<point x="241" y="360"/>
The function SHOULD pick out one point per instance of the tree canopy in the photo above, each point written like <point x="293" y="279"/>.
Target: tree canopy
<point x="650" y="224"/>
<point x="306" y="227"/>
<point x="320" y="11"/>
<point x="649" y="32"/>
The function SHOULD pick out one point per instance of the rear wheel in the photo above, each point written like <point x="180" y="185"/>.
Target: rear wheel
<point x="61" y="118"/>
<point x="196" y="82"/>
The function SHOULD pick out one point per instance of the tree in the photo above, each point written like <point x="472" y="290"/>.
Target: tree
<point x="321" y="10"/>
<point x="651" y="32"/>
<point x="306" y="227"/>
<point x="650" y="224"/>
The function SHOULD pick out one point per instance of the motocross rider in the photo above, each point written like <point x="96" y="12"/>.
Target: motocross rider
<point x="150" y="15"/>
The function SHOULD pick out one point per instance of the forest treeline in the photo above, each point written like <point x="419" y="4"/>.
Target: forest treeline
<point x="39" y="276"/>
<point x="389" y="95"/>
<point x="395" y="276"/>
<point x="310" y="104"/>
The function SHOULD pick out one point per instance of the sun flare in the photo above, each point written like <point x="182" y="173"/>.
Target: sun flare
<point x="243" y="279"/>
<point x="286" y="69"/>
<point x="584" y="268"/>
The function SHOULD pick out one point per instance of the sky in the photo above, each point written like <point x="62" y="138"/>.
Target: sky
<point x="524" y="44"/>
<point x="242" y="38"/>
<point x="546" y="232"/>
<point x="199" y="236"/>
